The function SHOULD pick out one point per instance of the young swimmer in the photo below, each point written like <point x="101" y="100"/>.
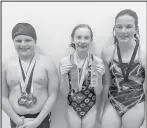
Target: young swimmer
<point x="126" y="62"/>
<point x="81" y="80"/>
<point x="29" y="82"/>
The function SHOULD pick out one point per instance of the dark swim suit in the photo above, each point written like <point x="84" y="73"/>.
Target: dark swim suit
<point x="125" y="95"/>
<point x="45" y="123"/>
<point x="83" y="105"/>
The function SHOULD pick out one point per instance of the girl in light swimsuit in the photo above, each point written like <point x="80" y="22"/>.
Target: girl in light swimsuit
<point x="77" y="80"/>
<point x="125" y="60"/>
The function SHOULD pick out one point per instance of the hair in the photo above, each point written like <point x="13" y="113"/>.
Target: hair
<point x="75" y="28"/>
<point x="134" y="15"/>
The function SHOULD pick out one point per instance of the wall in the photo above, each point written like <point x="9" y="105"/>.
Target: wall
<point x="54" y="22"/>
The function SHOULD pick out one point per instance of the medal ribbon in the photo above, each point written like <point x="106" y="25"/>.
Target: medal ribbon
<point x="130" y="63"/>
<point x="83" y="70"/>
<point x="26" y="78"/>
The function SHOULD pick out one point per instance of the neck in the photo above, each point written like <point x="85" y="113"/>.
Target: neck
<point x="81" y="55"/>
<point x="127" y="46"/>
<point x="26" y="59"/>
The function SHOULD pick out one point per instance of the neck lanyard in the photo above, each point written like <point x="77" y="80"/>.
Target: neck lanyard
<point x="130" y="63"/>
<point x="80" y="80"/>
<point x="26" y="79"/>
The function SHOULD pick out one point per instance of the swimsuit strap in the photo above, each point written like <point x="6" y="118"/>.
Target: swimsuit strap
<point x="71" y="62"/>
<point x="92" y="57"/>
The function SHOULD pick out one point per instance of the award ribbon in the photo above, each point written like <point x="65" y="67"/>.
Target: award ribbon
<point x="26" y="87"/>
<point x="74" y="73"/>
<point x="130" y="63"/>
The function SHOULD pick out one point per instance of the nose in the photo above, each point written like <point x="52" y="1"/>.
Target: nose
<point x="23" y="44"/>
<point x="82" y="40"/>
<point x="124" y="30"/>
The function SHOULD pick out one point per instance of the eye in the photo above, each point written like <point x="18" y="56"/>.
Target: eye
<point x="119" y="26"/>
<point x="79" y="37"/>
<point x="86" y="37"/>
<point x="129" y="26"/>
<point x="27" y="40"/>
<point x="18" y="41"/>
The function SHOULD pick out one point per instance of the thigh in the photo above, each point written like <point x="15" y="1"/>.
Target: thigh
<point x="134" y="117"/>
<point x="74" y="121"/>
<point x="110" y="117"/>
<point x="90" y="119"/>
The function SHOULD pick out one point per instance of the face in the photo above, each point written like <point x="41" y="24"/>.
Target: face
<point x="82" y="39"/>
<point x="125" y="28"/>
<point x="24" y="45"/>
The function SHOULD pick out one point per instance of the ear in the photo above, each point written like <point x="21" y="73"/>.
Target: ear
<point x="137" y="31"/>
<point x="91" y="41"/>
<point x="113" y="32"/>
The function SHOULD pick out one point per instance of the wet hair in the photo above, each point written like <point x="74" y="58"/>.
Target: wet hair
<point x="134" y="15"/>
<point x="75" y="28"/>
<point x="24" y="29"/>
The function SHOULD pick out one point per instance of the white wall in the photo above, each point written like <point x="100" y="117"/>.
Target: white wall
<point x="54" y="22"/>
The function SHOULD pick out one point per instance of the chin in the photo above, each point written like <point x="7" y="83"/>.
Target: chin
<point x="24" y="54"/>
<point x="123" y="41"/>
<point x="83" y="50"/>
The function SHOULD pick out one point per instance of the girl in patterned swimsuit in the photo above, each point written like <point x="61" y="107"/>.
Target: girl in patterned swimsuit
<point x="84" y="102"/>
<point x="125" y="61"/>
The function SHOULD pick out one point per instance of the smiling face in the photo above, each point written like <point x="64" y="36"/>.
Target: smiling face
<point x="82" y="39"/>
<point x="125" y="28"/>
<point x="24" y="45"/>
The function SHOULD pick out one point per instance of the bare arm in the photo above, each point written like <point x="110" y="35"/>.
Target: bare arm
<point x="53" y="89"/>
<point x="106" y="81"/>
<point x="63" y="80"/>
<point x="6" y="105"/>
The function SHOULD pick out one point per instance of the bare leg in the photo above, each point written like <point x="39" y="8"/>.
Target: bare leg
<point x="134" y="117"/>
<point x="90" y="119"/>
<point x="110" y="118"/>
<point x="74" y="121"/>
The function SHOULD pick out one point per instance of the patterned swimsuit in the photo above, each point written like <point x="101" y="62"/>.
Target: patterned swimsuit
<point x="125" y="96"/>
<point x="87" y="94"/>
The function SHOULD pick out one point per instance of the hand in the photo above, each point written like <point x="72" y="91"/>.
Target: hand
<point x="29" y="124"/>
<point x="64" y="69"/>
<point x="19" y="121"/>
<point x="28" y="119"/>
<point x="100" y="68"/>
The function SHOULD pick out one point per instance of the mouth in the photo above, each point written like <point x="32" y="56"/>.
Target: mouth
<point x="82" y="46"/>
<point x="24" y="49"/>
<point x="124" y="37"/>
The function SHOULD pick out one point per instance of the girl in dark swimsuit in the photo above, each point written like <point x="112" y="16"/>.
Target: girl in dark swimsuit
<point x="127" y="70"/>
<point x="77" y="80"/>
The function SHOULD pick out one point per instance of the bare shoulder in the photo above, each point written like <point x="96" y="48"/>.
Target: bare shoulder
<point x="46" y="61"/>
<point x="64" y="60"/>
<point x="107" y="53"/>
<point x="142" y="54"/>
<point x="10" y="63"/>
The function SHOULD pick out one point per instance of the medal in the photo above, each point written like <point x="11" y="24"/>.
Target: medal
<point x="77" y="96"/>
<point x="27" y="99"/>
<point x="125" y="86"/>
